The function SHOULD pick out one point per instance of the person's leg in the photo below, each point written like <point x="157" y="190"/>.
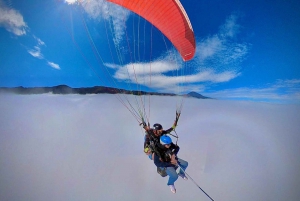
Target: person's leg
<point x="183" y="164"/>
<point x="173" y="176"/>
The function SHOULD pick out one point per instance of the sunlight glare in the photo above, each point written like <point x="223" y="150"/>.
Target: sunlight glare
<point x="70" y="1"/>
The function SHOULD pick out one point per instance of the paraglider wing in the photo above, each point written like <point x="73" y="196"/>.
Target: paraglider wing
<point x="170" y="18"/>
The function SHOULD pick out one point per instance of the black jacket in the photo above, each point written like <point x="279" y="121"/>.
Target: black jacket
<point x="162" y="156"/>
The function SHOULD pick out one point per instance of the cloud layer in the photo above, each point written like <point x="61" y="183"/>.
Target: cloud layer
<point x="283" y="91"/>
<point x="60" y="148"/>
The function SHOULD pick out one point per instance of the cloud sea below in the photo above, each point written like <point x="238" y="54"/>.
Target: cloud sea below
<point x="89" y="147"/>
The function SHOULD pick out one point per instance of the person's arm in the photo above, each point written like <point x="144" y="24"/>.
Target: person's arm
<point x="167" y="131"/>
<point x="147" y="128"/>
<point x="174" y="148"/>
<point x="170" y="129"/>
<point x="147" y="140"/>
<point x="173" y="126"/>
<point x="160" y="163"/>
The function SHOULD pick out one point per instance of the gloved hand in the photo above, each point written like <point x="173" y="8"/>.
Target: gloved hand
<point x="144" y="126"/>
<point x="176" y="120"/>
<point x="147" y="151"/>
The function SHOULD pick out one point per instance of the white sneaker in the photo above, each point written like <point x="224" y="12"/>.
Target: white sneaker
<point x="183" y="176"/>
<point x="172" y="188"/>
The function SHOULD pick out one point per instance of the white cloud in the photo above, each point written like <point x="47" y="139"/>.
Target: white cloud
<point x="209" y="47"/>
<point x="12" y="20"/>
<point x="231" y="28"/>
<point x="71" y="1"/>
<point x="36" y="52"/>
<point x="180" y="84"/>
<point x="53" y="65"/>
<point x="288" y="83"/>
<point x="281" y="91"/>
<point x="222" y="51"/>
<point x="167" y="76"/>
<point x="39" y="41"/>
<point x="146" y="68"/>
<point x="115" y="15"/>
<point x="217" y="60"/>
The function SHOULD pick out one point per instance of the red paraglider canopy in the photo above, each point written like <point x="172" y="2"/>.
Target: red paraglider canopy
<point x="170" y="18"/>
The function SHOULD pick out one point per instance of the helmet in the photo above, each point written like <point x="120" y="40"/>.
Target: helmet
<point x="157" y="126"/>
<point x="165" y="140"/>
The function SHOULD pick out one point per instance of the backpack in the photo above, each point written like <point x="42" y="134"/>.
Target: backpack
<point x="162" y="171"/>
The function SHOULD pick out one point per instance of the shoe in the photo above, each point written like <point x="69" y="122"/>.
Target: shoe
<point x="183" y="176"/>
<point x="172" y="188"/>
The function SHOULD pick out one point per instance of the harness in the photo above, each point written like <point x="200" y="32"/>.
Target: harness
<point x="155" y="148"/>
<point x="154" y="141"/>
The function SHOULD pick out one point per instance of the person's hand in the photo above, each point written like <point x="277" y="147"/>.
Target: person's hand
<point x="174" y="125"/>
<point x="173" y="160"/>
<point x="144" y="125"/>
<point x="147" y="151"/>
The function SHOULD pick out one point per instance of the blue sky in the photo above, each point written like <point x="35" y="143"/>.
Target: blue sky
<point x="247" y="50"/>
